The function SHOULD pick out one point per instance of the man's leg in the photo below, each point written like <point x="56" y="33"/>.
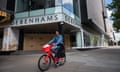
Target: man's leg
<point x="57" y="54"/>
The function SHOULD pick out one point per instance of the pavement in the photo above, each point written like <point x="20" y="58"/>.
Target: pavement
<point x="94" y="60"/>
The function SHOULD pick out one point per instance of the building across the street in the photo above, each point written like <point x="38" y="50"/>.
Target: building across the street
<point x="82" y="23"/>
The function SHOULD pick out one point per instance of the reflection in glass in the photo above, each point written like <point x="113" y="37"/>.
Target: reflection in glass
<point x="58" y="2"/>
<point x="22" y="5"/>
<point x="68" y="4"/>
<point x="76" y="7"/>
<point x="37" y="12"/>
<point x="37" y="4"/>
<point x="27" y="5"/>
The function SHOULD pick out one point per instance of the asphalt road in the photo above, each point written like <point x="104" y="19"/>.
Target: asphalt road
<point x="98" y="60"/>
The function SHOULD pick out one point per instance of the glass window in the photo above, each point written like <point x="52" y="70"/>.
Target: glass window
<point x="50" y="3"/>
<point x="67" y="12"/>
<point x="37" y="12"/>
<point x="58" y="2"/>
<point x="76" y="7"/>
<point x="42" y="4"/>
<point x="53" y="10"/>
<point x="68" y="4"/>
<point x="26" y="5"/>
<point x="11" y="5"/>
<point x="49" y="10"/>
<point x="21" y="14"/>
<point x="37" y="4"/>
<point x="22" y="5"/>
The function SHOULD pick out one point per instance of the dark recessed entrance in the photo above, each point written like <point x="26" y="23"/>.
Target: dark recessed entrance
<point x="1" y="38"/>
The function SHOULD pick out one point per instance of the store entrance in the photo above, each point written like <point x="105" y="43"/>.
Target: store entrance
<point x="21" y="39"/>
<point x="1" y="38"/>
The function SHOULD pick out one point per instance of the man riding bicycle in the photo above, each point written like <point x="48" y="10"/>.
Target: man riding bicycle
<point x="55" y="45"/>
<point x="58" y="48"/>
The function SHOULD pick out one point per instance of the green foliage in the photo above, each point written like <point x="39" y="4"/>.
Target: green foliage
<point x="116" y="25"/>
<point x="115" y="7"/>
<point x="119" y="42"/>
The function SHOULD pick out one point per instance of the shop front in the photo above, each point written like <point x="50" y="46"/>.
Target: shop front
<point x="33" y="32"/>
<point x="36" y="21"/>
<point x="35" y="36"/>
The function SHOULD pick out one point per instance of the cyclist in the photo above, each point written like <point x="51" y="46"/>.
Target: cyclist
<point x="57" y="41"/>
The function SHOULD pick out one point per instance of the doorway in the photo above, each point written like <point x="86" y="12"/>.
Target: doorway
<point x="1" y="38"/>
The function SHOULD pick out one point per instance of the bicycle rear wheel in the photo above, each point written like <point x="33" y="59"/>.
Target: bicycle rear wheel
<point x="44" y="62"/>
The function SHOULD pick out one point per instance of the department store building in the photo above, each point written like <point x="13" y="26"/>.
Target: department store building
<point x="81" y="22"/>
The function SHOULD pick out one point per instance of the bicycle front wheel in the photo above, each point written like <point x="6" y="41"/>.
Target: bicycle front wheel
<point x="44" y="62"/>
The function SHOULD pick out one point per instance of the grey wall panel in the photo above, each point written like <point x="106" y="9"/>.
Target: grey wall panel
<point x="95" y="12"/>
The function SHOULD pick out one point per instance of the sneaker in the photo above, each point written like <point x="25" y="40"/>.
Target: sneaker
<point x="57" y="63"/>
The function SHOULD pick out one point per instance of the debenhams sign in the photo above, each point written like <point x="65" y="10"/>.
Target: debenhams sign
<point x="43" y="20"/>
<point x="37" y="20"/>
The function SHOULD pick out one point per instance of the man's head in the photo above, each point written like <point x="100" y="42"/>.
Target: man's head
<point x="57" y="32"/>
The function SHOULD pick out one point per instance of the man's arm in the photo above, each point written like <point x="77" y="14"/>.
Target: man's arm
<point x="51" y="41"/>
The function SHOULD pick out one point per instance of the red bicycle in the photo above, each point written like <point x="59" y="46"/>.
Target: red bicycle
<point x="46" y="59"/>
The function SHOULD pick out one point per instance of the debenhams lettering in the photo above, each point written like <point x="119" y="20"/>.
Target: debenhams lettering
<point x="44" y="19"/>
<point x="36" y="20"/>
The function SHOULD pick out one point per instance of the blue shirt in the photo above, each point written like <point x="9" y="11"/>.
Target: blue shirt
<point x="57" y="40"/>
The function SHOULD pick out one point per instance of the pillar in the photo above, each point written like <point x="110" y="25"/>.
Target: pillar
<point x="82" y="38"/>
<point x="10" y="39"/>
<point x="102" y="40"/>
<point x="78" y="39"/>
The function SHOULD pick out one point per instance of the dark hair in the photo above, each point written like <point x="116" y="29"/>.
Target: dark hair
<point x="58" y="31"/>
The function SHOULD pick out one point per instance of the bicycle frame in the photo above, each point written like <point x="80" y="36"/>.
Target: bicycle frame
<point x="47" y="49"/>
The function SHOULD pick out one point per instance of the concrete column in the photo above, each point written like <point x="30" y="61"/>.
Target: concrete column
<point x="82" y="36"/>
<point x="10" y="39"/>
<point x="102" y="40"/>
<point x="78" y="39"/>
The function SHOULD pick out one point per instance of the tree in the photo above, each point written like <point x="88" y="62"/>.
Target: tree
<point x="119" y="42"/>
<point x="115" y="7"/>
